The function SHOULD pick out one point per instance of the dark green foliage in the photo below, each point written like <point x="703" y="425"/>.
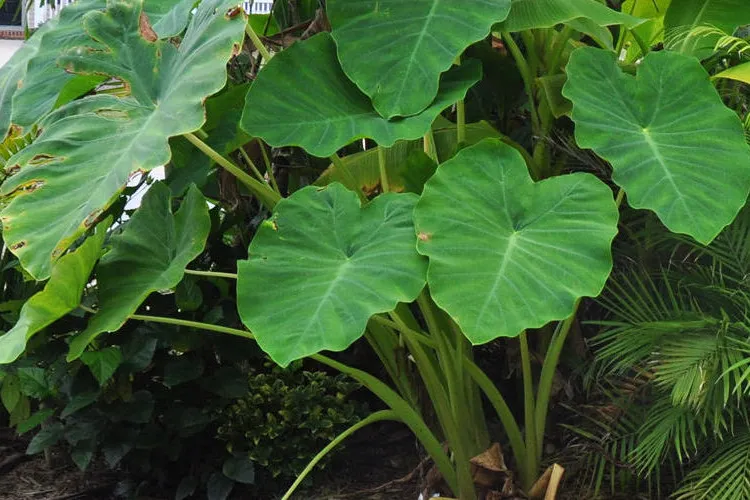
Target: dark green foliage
<point x="288" y="416"/>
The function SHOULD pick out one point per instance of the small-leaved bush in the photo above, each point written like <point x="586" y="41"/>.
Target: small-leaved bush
<point x="288" y="416"/>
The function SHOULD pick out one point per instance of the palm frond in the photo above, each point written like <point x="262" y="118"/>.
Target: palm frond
<point x="723" y="42"/>
<point x="667" y="429"/>
<point x="723" y="474"/>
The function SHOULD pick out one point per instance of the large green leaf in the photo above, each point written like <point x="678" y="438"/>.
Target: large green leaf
<point x="61" y="295"/>
<point x="684" y="15"/>
<point x="533" y="14"/>
<point x="415" y="41"/>
<point x="332" y="112"/>
<point x="13" y="72"/>
<point x="89" y="148"/>
<point x="323" y="266"/>
<point x="150" y="255"/>
<point x="673" y="145"/>
<point x="506" y="253"/>
<point x="43" y="80"/>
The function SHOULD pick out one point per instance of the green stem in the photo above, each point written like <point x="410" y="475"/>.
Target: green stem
<point x="487" y="386"/>
<point x="406" y="413"/>
<point x="549" y="366"/>
<point x="515" y="436"/>
<point x="257" y="41"/>
<point x="526" y="74"/>
<point x="384" y="184"/>
<point x="193" y="324"/>
<point x="269" y="166"/>
<point x="375" y="417"/>
<point x="349" y="178"/>
<point x="251" y="164"/>
<point x="266" y="195"/>
<point x="211" y="274"/>
<point x="645" y="49"/>
<point x="532" y="463"/>
<point x="559" y="43"/>
<point x="461" y="122"/>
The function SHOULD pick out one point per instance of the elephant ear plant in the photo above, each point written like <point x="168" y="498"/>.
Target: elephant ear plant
<point x="499" y="241"/>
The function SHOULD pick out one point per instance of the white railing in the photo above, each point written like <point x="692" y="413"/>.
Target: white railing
<point x="44" y="13"/>
<point x="257" y="7"/>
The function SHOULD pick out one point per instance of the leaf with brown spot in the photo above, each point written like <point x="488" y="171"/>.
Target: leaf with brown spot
<point x="145" y="28"/>
<point x="99" y="141"/>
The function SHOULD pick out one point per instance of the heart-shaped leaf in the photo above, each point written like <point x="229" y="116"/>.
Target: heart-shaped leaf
<point x="89" y="148"/>
<point x="323" y="266"/>
<point x="415" y="41"/>
<point x="507" y="254"/>
<point x="673" y="145"/>
<point x="155" y="247"/>
<point x="61" y="295"/>
<point x="533" y="14"/>
<point x="332" y="112"/>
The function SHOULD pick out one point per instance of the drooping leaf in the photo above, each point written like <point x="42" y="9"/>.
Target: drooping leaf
<point x="45" y="438"/>
<point x="673" y="145"/>
<point x="155" y="248"/>
<point x="507" y="254"/>
<point x="415" y="42"/>
<point x="332" y="112"/>
<point x="61" y="295"/>
<point x="533" y="14"/>
<point x="82" y="453"/>
<point x="35" y="420"/>
<point x="551" y="87"/>
<point x="322" y="266"/>
<point x="89" y="148"/>
<point x="103" y="363"/>
<point x="365" y="169"/>
<point x="740" y="73"/>
<point x="10" y="393"/>
<point x="684" y="15"/>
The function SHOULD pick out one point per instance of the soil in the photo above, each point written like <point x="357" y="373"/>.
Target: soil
<point x="24" y="477"/>
<point x="379" y="463"/>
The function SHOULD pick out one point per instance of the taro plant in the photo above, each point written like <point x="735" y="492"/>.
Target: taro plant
<point x="457" y="243"/>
